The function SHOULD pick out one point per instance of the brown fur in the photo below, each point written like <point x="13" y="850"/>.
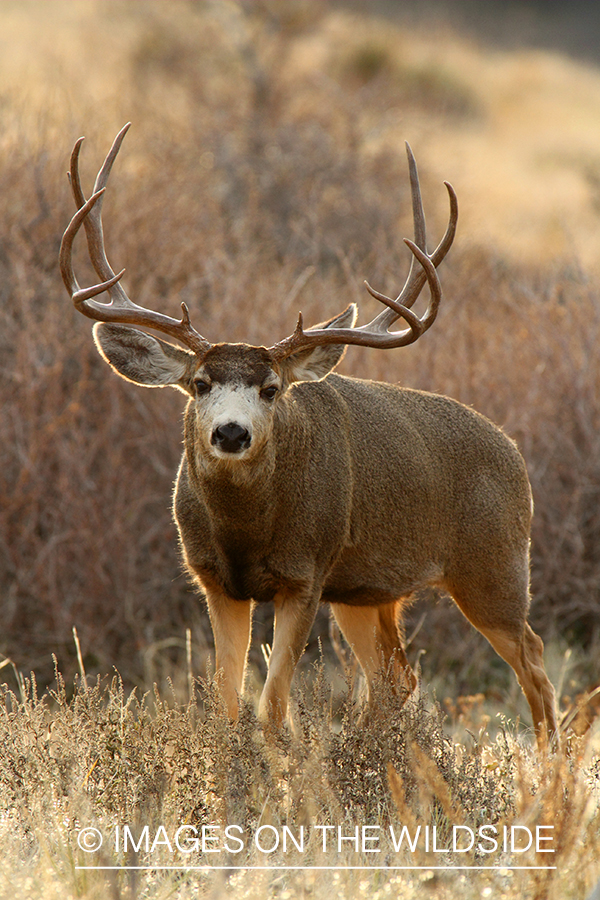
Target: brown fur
<point x="356" y="493"/>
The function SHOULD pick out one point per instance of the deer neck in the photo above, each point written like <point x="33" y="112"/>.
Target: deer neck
<point x="244" y="496"/>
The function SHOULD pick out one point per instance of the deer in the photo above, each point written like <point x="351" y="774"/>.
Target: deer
<point x="300" y="486"/>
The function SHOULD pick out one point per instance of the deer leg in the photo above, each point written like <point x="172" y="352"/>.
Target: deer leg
<point x="294" y="617"/>
<point x="373" y="634"/>
<point x="502" y="618"/>
<point x="525" y="655"/>
<point x="231" y="622"/>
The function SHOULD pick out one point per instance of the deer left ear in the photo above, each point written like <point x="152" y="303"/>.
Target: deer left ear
<point x="317" y="362"/>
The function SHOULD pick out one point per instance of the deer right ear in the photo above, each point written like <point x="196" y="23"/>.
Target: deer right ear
<point x="317" y="362"/>
<point x="141" y="358"/>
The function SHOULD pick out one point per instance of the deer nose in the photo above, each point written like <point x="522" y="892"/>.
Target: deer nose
<point x="231" y="437"/>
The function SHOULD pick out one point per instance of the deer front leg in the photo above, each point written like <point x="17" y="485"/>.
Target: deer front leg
<point x="231" y="622"/>
<point x="294" y="615"/>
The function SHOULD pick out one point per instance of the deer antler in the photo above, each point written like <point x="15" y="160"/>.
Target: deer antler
<point x="120" y="309"/>
<point x="376" y="333"/>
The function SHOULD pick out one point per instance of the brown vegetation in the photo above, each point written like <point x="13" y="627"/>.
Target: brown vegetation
<point x="107" y="760"/>
<point x="253" y="185"/>
<point x="264" y="174"/>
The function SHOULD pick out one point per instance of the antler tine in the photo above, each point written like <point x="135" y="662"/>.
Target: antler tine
<point x="416" y="276"/>
<point x="120" y="309"/>
<point x="366" y="335"/>
<point x="423" y="268"/>
<point x="93" y="221"/>
<point x="66" y="245"/>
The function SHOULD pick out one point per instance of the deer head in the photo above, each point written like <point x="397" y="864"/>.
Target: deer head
<point x="236" y="387"/>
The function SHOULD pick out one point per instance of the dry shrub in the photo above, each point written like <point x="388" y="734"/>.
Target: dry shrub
<point x="250" y="187"/>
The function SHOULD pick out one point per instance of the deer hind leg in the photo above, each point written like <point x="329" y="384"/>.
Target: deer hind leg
<point x="525" y="655"/>
<point x="373" y="633"/>
<point x="231" y="622"/>
<point x="501" y="618"/>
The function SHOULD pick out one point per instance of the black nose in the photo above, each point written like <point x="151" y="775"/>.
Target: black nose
<point x="231" y="437"/>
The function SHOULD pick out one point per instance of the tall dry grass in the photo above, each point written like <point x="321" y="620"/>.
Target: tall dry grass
<point x="115" y="762"/>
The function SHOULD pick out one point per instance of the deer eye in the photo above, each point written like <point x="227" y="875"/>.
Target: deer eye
<point x="269" y="393"/>
<point x="201" y="387"/>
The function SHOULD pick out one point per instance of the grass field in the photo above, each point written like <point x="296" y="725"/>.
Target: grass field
<point x="264" y="173"/>
<point x="106" y="794"/>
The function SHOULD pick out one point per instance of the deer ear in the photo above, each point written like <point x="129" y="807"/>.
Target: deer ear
<point x="142" y="358"/>
<point x="316" y="363"/>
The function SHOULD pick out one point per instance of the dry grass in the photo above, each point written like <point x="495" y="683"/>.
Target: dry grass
<point x="106" y="760"/>
<point x="263" y="174"/>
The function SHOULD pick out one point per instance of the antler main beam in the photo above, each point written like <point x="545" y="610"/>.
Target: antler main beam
<point x="423" y="268"/>
<point x="120" y="309"/>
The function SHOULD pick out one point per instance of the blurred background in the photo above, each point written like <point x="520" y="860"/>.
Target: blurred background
<point x="265" y="172"/>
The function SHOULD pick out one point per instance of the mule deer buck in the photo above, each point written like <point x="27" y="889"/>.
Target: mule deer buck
<point x="301" y="486"/>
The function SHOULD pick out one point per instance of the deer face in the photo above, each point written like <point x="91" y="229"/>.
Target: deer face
<point x="235" y="388"/>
